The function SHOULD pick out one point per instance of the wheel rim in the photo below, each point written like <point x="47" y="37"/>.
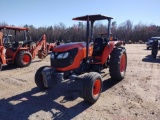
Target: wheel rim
<point x="96" y="88"/>
<point x="123" y="63"/>
<point x="26" y="59"/>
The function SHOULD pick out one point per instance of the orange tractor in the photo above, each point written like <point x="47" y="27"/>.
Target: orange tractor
<point x="22" y="52"/>
<point x="71" y="60"/>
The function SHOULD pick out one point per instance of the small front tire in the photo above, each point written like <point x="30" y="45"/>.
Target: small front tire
<point x="39" y="78"/>
<point x="92" y="87"/>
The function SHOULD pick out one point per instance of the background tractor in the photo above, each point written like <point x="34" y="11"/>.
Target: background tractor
<point x="155" y="47"/>
<point x="71" y="60"/>
<point x="17" y="47"/>
<point x="51" y="46"/>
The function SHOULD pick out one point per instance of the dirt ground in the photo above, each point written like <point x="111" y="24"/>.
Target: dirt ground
<point x="136" y="97"/>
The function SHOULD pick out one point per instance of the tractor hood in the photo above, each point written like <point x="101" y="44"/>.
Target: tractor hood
<point x="68" y="56"/>
<point x="69" y="46"/>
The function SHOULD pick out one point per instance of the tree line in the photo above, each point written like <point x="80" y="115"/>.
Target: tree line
<point x="125" y="31"/>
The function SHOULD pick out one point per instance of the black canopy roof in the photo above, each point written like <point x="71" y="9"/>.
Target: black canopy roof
<point x="92" y="17"/>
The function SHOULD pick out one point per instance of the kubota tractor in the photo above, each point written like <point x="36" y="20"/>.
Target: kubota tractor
<point x="73" y="59"/>
<point x="21" y="51"/>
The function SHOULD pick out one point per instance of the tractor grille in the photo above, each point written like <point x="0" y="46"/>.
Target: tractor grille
<point x="60" y="63"/>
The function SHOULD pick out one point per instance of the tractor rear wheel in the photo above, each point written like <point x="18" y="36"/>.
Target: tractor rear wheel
<point x="39" y="78"/>
<point x="118" y="64"/>
<point x="1" y="66"/>
<point x="92" y="87"/>
<point x="23" y="59"/>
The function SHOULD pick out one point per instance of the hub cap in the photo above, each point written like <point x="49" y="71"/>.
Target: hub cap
<point x="123" y="63"/>
<point x="26" y="59"/>
<point x="96" y="87"/>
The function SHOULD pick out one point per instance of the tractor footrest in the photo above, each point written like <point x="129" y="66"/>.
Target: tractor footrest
<point x="95" y="61"/>
<point x="10" y="60"/>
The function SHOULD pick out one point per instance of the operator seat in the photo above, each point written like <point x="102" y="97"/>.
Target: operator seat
<point x="16" y="44"/>
<point x="99" y="45"/>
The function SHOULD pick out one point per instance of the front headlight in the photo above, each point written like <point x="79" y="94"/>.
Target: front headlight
<point x="52" y="55"/>
<point x="62" y="55"/>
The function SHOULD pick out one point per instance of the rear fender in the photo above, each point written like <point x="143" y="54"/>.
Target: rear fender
<point x="107" y="51"/>
<point x="119" y="43"/>
<point x="2" y="55"/>
<point x="18" y="50"/>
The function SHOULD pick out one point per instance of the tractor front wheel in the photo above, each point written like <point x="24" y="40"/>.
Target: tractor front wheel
<point x="92" y="87"/>
<point x="39" y="78"/>
<point x="118" y="64"/>
<point x="23" y="59"/>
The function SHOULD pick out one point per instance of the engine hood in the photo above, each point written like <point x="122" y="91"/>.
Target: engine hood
<point x="69" y="46"/>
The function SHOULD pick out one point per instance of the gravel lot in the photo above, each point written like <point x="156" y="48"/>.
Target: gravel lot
<point x="136" y="97"/>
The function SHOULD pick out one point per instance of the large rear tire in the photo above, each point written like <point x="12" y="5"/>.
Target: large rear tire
<point x="92" y="87"/>
<point x="39" y="78"/>
<point x="23" y="59"/>
<point x="118" y="64"/>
